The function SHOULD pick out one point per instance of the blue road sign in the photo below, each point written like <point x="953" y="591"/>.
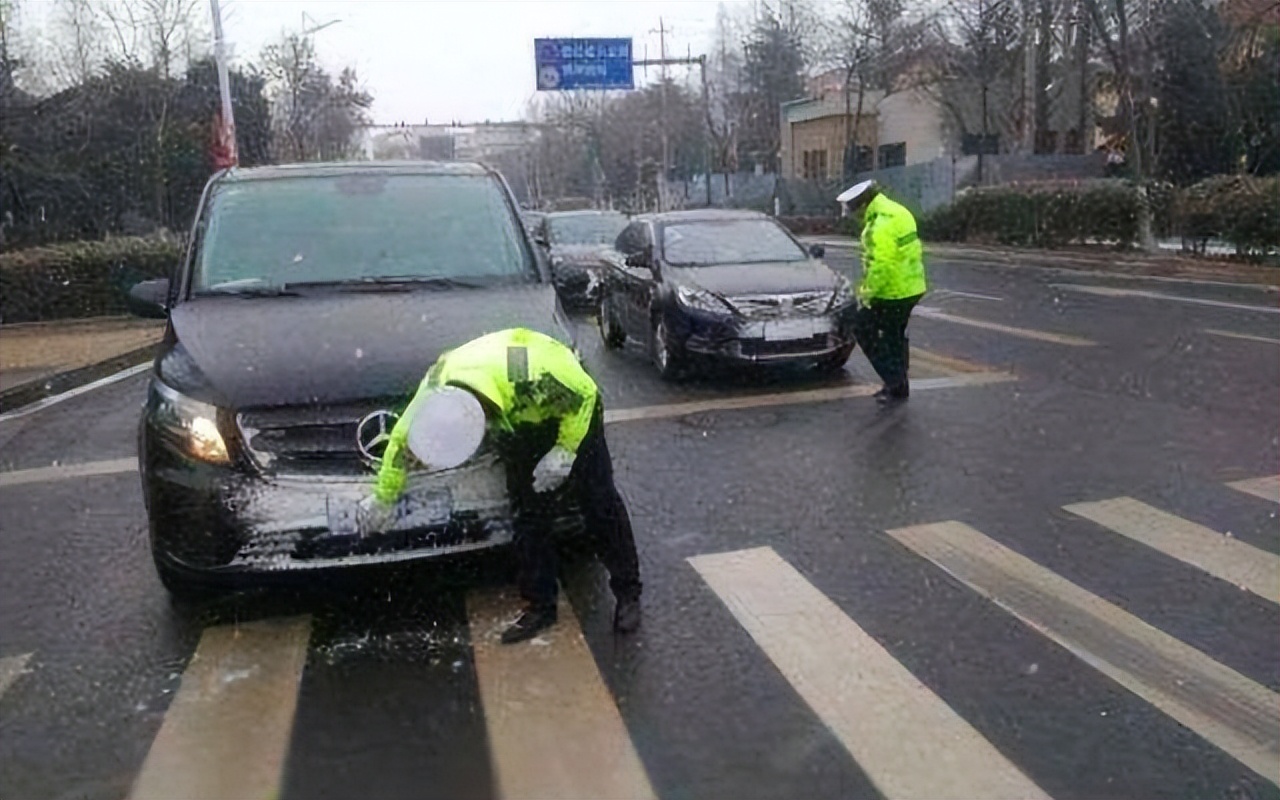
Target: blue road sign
<point x="565" y="64"/>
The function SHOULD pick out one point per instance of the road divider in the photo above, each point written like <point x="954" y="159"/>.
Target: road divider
<point x="1234" y="713"/>
<point x="553" y="727"/>
<point x="227" y="731"/>
<point x="1221" y="556"/>
<point x="1268" y="488"/>
<point x="907" y="740"/>
<point x="1111" y="291"/>
<point x="929" y="312"/>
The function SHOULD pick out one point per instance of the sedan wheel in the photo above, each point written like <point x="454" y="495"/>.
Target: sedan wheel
<point x="665" y="357"/>
<point x="610" y="331"/>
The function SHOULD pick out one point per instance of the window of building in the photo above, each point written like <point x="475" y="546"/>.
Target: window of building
<point x="893" y="155"/>
<point x="814" y="165"/>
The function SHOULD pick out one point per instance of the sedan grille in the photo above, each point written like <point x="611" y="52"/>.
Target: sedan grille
<point x="775" y="306"/>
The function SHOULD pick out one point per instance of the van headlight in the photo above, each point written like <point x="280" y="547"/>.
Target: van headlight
<point x="189" y="425"/>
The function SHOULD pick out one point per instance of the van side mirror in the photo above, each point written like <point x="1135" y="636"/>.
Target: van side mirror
<point x="150" y="299"/>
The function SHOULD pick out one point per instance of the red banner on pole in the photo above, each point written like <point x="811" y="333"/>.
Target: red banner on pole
<point x="223" y="150"/>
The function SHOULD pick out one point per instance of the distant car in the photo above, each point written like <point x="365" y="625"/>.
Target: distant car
<point x="577" y="242"/>
<point x="733" y="286"/>
<point x="310" y="304"/>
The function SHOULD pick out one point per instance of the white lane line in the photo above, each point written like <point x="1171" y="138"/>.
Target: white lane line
<point x="907" y="740"/>
<point x="12" y="668"/>
<point x="970" y="295"/>
<point x="62" y="472"/>
<point x="1225" y="558"/>
<point x="1268" y="488"/>
<point x="1234" y="713"/>
<point x="794" y="398"/>
<point x="1246" y="336"/>
<point x="76" y="392"/>
<point x="554" y="729"/>
<point x="115" y="466"/>
<point x="1111" y="291"/>
<point x="929" y="312"/>
<point x="226" y="734"/>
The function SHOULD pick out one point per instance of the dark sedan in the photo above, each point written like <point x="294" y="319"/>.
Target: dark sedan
<point x="577" y="242"/>
<point x="733" y="286"/>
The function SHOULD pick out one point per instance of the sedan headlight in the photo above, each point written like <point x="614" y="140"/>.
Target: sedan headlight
<point x="701" y="300"/>
<point x="189" y="425"/>
<point x="842" y="296"/>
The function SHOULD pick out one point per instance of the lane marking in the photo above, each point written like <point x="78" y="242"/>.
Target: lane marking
<point x="1268" y="488"/>
<point x="1232" y="712"/>
<point x="970" y="377"/>
<point x="1231" y="560"/>
<point x="76" y="392"/>
<point x="945" y="363"/>
<point x="907" y="740"/>
<point x="929" y="312"/>
<point x="62" y="472"/>
<point x="554" y="729"/>
<point x="226" y="734"/>
<point x="1110" y="291"/>
<point x="1246" y="336"/>
<point x="12" y="668"/>
<point x="958" y="293"/>
<point x="794" y="398"/>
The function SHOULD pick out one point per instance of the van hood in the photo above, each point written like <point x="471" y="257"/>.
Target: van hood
<point x="334" y="347"/>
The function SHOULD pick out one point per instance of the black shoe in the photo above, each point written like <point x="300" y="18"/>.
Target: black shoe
<point x="532" y="622"/>
<point x="626" y="616"/>
<point x="882" y="397"/>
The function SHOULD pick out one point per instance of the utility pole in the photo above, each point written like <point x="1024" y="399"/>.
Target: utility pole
<point x="662" y="60"/>
<point x="228" y="122"/>
<point x="701" y="62"/>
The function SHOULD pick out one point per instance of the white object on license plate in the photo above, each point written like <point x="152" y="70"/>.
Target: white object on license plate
<point x="424" y="509"/>
<point x="793" y="329"/>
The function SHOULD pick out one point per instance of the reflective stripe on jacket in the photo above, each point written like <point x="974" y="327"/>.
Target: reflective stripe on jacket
<point x="528" y="377"/>
<point x="892" y="256"/>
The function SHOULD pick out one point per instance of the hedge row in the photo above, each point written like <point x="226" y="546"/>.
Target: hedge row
<point x="1242" y="210"/>
<point x="81" y="279"/>
<point x="810" y="226"/>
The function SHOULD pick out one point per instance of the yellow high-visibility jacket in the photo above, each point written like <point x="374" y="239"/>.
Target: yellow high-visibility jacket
<point x="892" y="256"/>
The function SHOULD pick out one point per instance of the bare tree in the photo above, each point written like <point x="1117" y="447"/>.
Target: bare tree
<point x="313" y="117"/>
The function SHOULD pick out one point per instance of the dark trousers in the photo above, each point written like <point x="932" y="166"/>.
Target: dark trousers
<point x="881" y="331"/>
<point x="591" y="483"/>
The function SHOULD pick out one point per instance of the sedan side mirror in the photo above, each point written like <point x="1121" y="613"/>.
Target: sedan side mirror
<point x="817" y="250"/>
<point x="150" y="299"/>
<point x="641" y="260"/>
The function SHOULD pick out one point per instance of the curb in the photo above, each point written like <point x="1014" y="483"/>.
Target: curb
<point x="34" y="391"/>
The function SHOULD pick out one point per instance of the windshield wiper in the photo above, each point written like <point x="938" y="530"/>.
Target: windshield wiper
<point x="395" y="283"/>
<point x="249" y="287"/>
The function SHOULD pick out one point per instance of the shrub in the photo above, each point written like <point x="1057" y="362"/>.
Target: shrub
<point x="1048" y="214"/>
<point x="1240" y="209"/>
<point x="81" y="279"/>
<point x="810" y="226"/>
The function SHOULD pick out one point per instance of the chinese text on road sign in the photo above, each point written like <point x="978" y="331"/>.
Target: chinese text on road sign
<point x="564" y="64"/>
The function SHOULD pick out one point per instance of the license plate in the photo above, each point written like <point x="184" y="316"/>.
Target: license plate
<point x="793" y="329"/>
<point x="413" y="510"/>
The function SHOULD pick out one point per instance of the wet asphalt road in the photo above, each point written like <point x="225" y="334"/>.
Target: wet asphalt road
<point x="1155" y="404"/>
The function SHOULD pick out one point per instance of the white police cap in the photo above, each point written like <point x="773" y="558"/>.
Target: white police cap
<point x="447" y="428"/>
<point x="851" y="194"/>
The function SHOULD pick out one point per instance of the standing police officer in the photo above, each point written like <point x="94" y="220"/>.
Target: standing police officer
<point x="892" y="283"/>
<point x="545" y="415"/>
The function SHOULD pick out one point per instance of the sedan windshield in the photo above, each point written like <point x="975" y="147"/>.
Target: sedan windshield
<point x="586" y="228"/>
<point x="738" y="241"/>
<point x="360" y="228"/>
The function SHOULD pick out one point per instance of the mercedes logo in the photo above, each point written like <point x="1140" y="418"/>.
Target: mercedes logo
<point x="373" y="433"/>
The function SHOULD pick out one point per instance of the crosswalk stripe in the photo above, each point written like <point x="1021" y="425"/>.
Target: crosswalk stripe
<point x="1221" y="556"/>
<point x="909" y="742"/>
<point x="226" y="734"/>
<point x="554" y="729"/>
<point x="1267" y="488"/>
<point x="929" y="312"/>
<point x="12" y="668"/>
<point x="1218" y="703"/>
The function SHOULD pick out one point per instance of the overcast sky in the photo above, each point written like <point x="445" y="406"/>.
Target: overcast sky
<point x="469" y="61"/>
